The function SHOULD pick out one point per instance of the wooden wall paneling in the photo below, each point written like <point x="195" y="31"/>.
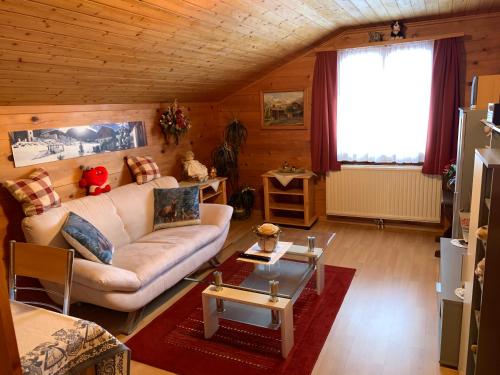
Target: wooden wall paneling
<point x="233" y="19"/>
<point x="33" y="28"/>
<point x="106" y="17"/>
<point x="116" y="51"/>
<point x="65" y="174"/>
<point x="267" y="149"/>
<point x="488" y="90"/>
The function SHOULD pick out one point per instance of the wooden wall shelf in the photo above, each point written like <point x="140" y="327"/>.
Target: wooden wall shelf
<point x="292" y="204"/>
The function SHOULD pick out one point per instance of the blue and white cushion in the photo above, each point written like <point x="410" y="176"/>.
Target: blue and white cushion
<point x="87" y="239"/>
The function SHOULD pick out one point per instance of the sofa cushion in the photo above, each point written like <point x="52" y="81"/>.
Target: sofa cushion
<point x="35" y="193"/>
<point x="87" y="239"/>
<point x="45" y="229"/>
<point x="102" y="213"/>
<point x="134" y="204"/>
<point x="194" y="236"/>
<point x="159" y="251"/>
<point x="144" y="168"/>
<point x="104" y="277"/>
<point x="176" y="207"/>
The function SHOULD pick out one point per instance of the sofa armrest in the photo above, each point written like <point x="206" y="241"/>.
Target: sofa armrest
<point x="104" y="277"/>
<point x="215" y="214"/>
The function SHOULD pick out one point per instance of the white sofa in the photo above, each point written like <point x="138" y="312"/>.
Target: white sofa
<point x="145" y="263"/>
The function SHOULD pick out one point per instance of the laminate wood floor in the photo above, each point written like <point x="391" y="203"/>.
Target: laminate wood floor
<point x="388" y="322"/>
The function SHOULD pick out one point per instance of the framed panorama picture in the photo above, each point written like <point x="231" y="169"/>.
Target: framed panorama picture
<point x="284" y="109"/>
<point x="36" y="146"/>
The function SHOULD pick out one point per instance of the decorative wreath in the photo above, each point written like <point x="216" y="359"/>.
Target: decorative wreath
<point x="174" y="123"/>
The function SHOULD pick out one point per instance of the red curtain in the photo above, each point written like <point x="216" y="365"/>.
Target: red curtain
<point x="442" y="133"/>
<point x="324" y="114"/>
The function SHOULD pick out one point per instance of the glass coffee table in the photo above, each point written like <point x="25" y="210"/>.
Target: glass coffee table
<point x="263" y="295"/>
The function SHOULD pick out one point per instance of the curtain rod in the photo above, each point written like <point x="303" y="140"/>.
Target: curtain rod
<point x="396" y="41"/>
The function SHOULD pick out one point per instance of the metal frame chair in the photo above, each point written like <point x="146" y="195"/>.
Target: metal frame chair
<point x="48" y="263"/>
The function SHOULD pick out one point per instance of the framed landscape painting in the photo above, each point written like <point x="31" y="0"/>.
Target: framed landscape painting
<point x="45" y="145"/>
<point x="284" y="109"/>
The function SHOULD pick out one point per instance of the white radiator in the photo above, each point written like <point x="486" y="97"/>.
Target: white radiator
<point x="384" y="192"/>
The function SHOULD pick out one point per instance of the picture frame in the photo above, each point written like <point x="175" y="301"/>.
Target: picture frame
<point x="36" y="146"/>
<point x="284" y="109"/>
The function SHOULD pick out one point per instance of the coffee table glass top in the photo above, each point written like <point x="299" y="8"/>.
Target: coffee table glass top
<point x="292" y="271"/>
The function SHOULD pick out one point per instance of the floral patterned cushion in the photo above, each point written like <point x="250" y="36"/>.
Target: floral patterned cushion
<point x="176" y="207"/>
<point x="87" y="239"/>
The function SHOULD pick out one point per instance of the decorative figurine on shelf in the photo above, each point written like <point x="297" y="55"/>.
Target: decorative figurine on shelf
<point x="95" y="180"/>
<point x="213" y="173"/>
<point x="194" y="169"/>
<point x="286" y="168"/>
<point x="397" y="31"/>
<point x="375" y="36"/>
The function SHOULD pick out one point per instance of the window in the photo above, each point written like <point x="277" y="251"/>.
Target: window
<point x="383" y="103"/>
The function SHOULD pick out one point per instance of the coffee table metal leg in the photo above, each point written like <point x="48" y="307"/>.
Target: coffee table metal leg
<point x="210" y="316"/>
<point x="286" y="330"/>
<point x="320" y="275"/>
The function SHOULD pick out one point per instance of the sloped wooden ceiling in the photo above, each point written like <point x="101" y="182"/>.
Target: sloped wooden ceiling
<point x="136" y="51"/>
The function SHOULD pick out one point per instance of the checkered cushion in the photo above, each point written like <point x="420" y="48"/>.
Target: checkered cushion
<point x="144" y="168"/>
<point x="35" y="193"/>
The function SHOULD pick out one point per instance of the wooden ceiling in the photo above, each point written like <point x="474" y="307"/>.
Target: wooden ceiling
<point x="137" y="51"/>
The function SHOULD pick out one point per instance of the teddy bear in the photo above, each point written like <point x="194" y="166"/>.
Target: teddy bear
<point x="95" y="180"/>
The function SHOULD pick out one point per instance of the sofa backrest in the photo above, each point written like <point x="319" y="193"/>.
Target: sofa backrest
<point x="99" y="210"/>
<point x="122" y="215"/>
<point x="134" y="203"/>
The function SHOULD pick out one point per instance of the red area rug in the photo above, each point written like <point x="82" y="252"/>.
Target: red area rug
<point x="174" y="340"/>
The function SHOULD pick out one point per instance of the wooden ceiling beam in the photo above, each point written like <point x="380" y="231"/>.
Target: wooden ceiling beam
<point x="398" y="41"/>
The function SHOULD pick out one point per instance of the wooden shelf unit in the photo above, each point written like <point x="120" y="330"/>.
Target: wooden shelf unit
<point x="481" y="309"/>
<point x="207" y="193"/>
<point x="292" y="204"/>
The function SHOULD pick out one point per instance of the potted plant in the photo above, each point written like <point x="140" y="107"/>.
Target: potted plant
<point x="225" y="160"/>
<point x="242" y="201"/>
<point x="235" y="134"/>
<point x="449" y="175"/>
